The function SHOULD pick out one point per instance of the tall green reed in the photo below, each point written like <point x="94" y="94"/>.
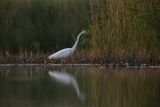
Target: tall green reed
<point x="125" y="31"/>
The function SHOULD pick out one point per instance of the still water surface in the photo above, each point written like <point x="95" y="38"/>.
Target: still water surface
<point x="79" y="87"/>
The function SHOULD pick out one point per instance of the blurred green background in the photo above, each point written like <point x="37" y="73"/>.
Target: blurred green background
<point x="45" y="25"/>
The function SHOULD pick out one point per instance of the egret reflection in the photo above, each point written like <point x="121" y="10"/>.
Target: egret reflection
<point x="67" y="79"/>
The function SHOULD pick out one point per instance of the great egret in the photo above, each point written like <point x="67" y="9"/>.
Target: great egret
<point x="67" y="79"/>
<point x="64" y="53"/>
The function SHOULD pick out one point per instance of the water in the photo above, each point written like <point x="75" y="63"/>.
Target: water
<point x="79" y="87"/>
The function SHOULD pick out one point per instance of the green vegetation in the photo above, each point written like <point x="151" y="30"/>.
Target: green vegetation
<point x="52" y="24"/>
<point x="125" y="30"/>
<point x="120" y="31"/>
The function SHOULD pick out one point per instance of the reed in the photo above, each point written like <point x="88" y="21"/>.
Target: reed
<point x="125" y="30"/>
<point x="121" y="30"/>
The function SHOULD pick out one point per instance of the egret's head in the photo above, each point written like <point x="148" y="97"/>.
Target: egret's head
<point x="84" y="32"/>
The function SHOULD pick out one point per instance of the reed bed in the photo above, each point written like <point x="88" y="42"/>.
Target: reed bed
<point x="121" y="31"/>
<point x="125" y="30"/>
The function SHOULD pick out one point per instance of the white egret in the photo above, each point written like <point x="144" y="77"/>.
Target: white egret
<point x="67" y="79"/>
<point x="64" y="53"/>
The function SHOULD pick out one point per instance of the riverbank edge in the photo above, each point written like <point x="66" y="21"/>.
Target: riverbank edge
<point x="84" y="65"/>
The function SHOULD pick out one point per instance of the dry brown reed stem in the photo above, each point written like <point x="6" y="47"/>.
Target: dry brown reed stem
<point x="127" y="30"/>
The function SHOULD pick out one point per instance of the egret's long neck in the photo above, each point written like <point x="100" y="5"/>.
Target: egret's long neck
<point x="76" y="43"/>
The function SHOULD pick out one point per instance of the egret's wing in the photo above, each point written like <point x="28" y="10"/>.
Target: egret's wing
<point x="61" y="54"/>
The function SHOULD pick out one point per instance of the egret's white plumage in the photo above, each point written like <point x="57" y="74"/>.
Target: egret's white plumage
<point x="64" y="53"/>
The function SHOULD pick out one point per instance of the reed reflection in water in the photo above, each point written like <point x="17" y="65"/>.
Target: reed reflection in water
<point x="52" y="87"/>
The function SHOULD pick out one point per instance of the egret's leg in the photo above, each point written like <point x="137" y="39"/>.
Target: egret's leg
<point x="45" y="62"/>
<point x="62" y="61"/>
<point x="62" y="64"/>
